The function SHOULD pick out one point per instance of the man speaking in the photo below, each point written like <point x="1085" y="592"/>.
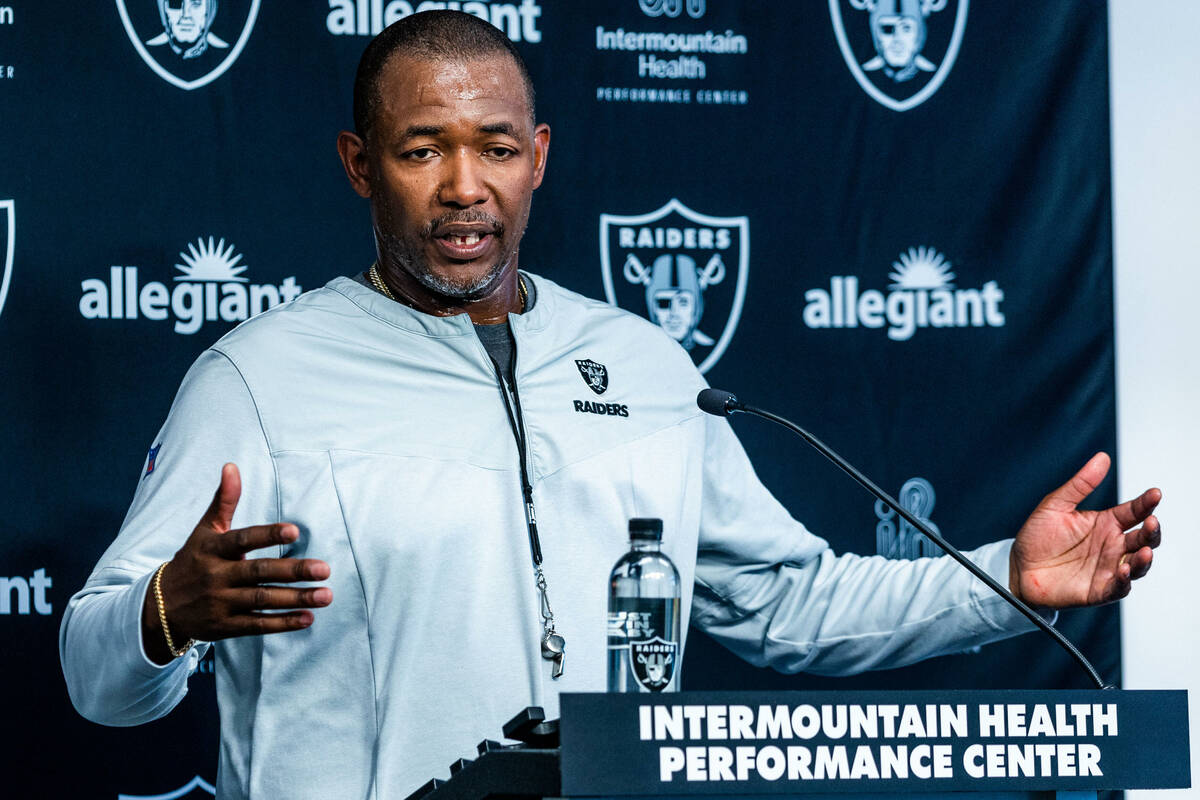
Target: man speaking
<point x="409" y="499"/>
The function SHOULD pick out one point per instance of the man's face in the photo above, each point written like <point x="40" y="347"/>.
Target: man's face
<point x="897" y="36"/>
<point x="186" y="19"/>
<point x="675" y="311"/>
<point x="454" y="158"/>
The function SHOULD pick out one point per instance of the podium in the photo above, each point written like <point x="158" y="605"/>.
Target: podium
<point x="985" y="743"/>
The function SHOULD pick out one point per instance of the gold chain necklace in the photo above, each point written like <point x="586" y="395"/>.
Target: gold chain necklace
<point x="377" y="282"/>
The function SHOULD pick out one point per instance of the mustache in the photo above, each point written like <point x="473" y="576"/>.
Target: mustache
<point x="434" y="227"/>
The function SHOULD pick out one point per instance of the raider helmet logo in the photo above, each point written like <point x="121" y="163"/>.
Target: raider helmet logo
<point x="653" y="663"/>
<point x="594" y="375"/>
<point x="188" y="42"/>
<point x="683" y="270"/>
<point x="8" y="239"/>
<point x="899" y="51"/>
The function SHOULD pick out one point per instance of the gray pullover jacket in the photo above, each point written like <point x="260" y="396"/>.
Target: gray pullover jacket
<point x="382" y="434"/>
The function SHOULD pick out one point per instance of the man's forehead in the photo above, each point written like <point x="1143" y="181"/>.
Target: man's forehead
<point x="407" y="82"/>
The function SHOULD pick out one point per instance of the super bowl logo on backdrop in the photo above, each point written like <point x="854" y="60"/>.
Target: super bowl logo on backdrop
<point x="188" y="43"/>
<point x="894" y="536"/>
<point x="8" y="240"/>
<point x="683" y="270"/>
<point x="899" y="51"/>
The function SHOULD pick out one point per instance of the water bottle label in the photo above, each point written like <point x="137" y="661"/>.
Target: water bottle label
<point x="643" y="629"/>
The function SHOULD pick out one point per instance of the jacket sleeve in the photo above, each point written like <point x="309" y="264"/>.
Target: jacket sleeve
<point x="776" y="594"/>
<point x="212" y="421"/>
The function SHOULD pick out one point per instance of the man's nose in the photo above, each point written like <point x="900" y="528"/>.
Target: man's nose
<point x="462" y="184"/>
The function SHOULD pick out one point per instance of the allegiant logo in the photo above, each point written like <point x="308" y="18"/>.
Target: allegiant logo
<point x="211" y="288"/>
<point x="922" y="295"/>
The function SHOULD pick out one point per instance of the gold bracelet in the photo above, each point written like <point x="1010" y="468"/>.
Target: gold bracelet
<point x="162" y="615"/>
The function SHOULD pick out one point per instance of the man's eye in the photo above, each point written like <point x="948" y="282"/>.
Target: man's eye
<point x="500" y="151"/>
<point x="420" y="154"/>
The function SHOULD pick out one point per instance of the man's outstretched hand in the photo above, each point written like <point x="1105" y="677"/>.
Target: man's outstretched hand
<point x="212" y="591"/>
<point x="1065" y="557"/>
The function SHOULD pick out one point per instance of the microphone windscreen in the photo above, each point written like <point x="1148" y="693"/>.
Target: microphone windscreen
<point x="717" y="402"/>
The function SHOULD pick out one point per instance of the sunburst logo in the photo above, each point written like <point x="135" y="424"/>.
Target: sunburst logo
<point x="922" y="294"/>
<point x="211" y="288"/>
<point x="921" y="268"/>
<point x="205" y="261"/>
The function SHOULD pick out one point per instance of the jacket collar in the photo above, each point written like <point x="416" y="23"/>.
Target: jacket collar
<point x="401" y="316"/>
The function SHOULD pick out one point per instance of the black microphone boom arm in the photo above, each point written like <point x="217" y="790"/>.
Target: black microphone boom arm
<point x="723" y="404"/>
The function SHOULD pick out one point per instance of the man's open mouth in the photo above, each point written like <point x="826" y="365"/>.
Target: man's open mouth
<point x="464" y="245"/>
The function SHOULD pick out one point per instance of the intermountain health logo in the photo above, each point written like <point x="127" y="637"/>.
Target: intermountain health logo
<point x="188" y="43"/>
<point x="672" y="8"/>
<point x="922" y="295"/>
<point x="8" y="240"/>
<point x="899" y="51"/>
<point x="211" y="288"/>
<point x="683" y="270"/>
<point x="894" y="536"/>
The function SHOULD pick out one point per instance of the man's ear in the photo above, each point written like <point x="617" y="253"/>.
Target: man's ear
<point x="353" y="152"/>
<point x="541" y="152"/>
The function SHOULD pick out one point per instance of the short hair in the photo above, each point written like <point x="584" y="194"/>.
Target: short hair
<point x="429" y="36"/>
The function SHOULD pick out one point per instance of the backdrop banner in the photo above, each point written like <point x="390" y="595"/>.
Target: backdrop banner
<point x="895" y="231"/>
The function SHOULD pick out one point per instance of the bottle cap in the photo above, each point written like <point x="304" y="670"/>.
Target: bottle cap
<point x="645" y="528"/>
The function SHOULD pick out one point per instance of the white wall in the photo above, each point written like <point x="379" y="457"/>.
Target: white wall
<point x="1155" y="69"/>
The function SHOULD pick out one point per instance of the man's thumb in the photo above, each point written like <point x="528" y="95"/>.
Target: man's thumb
<point x="219" y="515"/>
<point x="1082" y="484"/>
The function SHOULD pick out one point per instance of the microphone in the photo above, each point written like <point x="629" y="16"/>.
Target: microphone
<point x="717" y="402"/>
<point x="720" y="403"/>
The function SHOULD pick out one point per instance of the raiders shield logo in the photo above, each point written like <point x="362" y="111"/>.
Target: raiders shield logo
<point x="8" y="240"/>
<point x="195" y="789"/>
<point x="188" y="43"/>
<point x="653" y="663"/>
<point x="683" y="270"/>
<point x="899" y="51"/>
<point x="594" y="375"/>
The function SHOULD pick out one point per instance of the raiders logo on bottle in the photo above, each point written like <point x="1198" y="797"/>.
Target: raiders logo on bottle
<point x="653" y="663"/>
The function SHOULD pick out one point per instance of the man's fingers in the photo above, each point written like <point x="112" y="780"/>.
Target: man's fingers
<point x="1122" y="583"/>
<point x="1082" y="484"/>
<point x="236" y="544"/>
<point x="276" y="598"/>
<point x="1139" y="563"/>
<point x="261" y="624"/>
<point x="1149" y="535"/>
<point x="1137" y="509"/>
<point x="254" y="571"/>
<point x="219" y="515"/>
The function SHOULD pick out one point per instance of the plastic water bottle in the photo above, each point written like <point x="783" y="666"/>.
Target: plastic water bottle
<point x="643" y="615"/>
